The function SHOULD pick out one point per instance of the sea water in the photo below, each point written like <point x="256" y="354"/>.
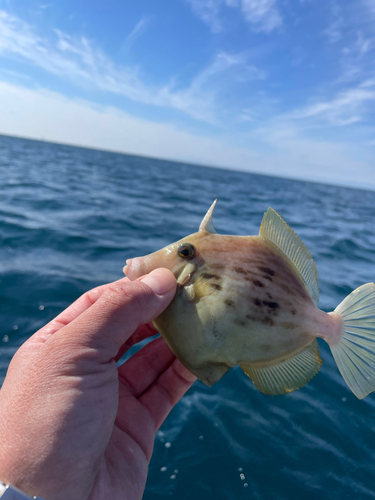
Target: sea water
<point x="70" y="217"/>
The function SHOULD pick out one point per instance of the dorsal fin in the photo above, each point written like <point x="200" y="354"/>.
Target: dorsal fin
<point x="286" y="375"/>
<point x="275" y="229"/>
<point x="207" y="224"/>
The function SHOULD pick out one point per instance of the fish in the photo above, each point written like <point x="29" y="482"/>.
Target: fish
<point x="252" y="301"/>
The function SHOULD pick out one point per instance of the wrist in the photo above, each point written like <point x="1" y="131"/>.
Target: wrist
<point x="9" y="492"/>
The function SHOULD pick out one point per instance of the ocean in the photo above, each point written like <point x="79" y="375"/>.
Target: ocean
<point x="70" y="217"/>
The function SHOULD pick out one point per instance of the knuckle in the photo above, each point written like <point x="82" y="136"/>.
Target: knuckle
<point x="166" y="393"/>
<point x="131" y="294"/>
<point x="92" y="295"/>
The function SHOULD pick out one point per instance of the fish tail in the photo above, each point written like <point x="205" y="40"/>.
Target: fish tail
<point x="355" y="352"/>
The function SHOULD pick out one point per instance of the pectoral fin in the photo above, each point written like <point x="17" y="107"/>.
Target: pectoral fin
<point x="286" y="375"/>
<point x="205" y="285"/>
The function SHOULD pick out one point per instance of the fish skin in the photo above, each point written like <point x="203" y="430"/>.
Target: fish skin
<point x="252" y="301"/>
<point x="255" y="307"/>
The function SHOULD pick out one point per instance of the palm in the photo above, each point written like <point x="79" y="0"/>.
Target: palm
<point x="150" y="383"/>
<point x="124" y="466"/>
<point x="101" y="418"/>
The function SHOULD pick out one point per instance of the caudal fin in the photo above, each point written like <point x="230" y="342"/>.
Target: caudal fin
<point x="355" y="354"/>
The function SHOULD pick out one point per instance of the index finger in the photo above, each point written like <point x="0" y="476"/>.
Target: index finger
<point x="72" y="312"/>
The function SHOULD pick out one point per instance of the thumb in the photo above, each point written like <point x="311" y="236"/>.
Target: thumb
<point x="120" y="310"/>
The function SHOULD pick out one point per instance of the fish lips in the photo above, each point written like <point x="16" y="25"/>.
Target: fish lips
<point x="133" y="268"/>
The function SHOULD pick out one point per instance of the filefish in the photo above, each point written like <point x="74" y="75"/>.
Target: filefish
<point x="252" y="301"/>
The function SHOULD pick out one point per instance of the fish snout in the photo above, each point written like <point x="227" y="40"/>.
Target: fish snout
<point x="139" y="266"/>
<point x="134" y="268"/>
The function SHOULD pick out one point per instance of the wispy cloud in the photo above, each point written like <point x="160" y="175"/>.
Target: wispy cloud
<point x="80" y="61"/>
<point x="208" y="12"/>
<point x="363" y="44"/>
<point x="32" y="113"/>
<point x="351" y="30"/>
<point x="262" y="15"/>
<point x="137" y="31"/>
<point x="346" y="108"/>
<point x="334" y="31"/>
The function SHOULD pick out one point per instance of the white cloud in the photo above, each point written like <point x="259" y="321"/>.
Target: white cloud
<point x="137" y="31"/>
<point x="283" y="150"/>
<point x="262" y="15"/>
<point x="334" y="31"/>
<point x="363" y="45"/>
<point x="208" y="12"/>
<point x="351" y="28"/>
<point x="54" y="117"/>
<point x="221" y="63"/>
<point x="344" y="109"/>
<point x="370" y="4"/>
<point x="80" y="61"/>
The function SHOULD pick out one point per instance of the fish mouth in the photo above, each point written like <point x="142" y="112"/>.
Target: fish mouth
<point x="132" y="269"/>
<point x="187" y="279"/>
<point x="186" y="275"/>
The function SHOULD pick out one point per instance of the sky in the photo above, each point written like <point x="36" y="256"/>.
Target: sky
<point x="279" y="87"/>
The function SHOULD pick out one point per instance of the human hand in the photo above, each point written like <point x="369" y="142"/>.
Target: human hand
<point x="72" y="424"/>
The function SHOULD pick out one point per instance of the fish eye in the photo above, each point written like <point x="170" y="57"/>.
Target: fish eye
<point x="186" y="251"/>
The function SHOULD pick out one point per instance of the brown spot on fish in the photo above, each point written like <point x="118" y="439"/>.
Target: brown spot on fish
<point x="216" y="286"/>
<point x="257" y="302"/>
<point x="251" y="318"/>
<point x="269" y="295"/>
<point x="294" y="312"/>
<point x="208" y="276"/>
<point x="257" y="283"/>
<point x="240" y="270"/>
<point x="214" y="330"/>
<point x="247" y="261"/>
<point x="224" y="249"/>
<point x="217" y="266"/>
<point x="272" y="305"/>
<point x="287" y="325"/>
<point x="287" y="289"/>
<point x="267" y="277"/>
<point x="267" y="270"/>
<point x="240" y="322"/>
<point x="267" y="321"/>
<point x="229" y="302"/>
<point x="265" y="347"/>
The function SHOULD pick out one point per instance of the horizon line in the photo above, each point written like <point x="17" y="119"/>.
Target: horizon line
<point x="251" y="172"/>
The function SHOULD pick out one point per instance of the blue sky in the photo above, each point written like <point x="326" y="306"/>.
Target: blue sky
<point x="284" y="87"/>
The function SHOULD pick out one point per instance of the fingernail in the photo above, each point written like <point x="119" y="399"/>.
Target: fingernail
<point x="126" y="268"/>
<point x="161" y="281"/>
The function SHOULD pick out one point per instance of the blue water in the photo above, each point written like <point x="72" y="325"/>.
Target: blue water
<point x="70" y="217"/>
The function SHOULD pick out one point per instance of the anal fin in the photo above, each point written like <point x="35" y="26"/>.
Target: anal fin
<point x="287" y="375"/>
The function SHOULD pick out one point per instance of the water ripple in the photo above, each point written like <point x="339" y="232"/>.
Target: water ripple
<point x="70" y="217"/>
